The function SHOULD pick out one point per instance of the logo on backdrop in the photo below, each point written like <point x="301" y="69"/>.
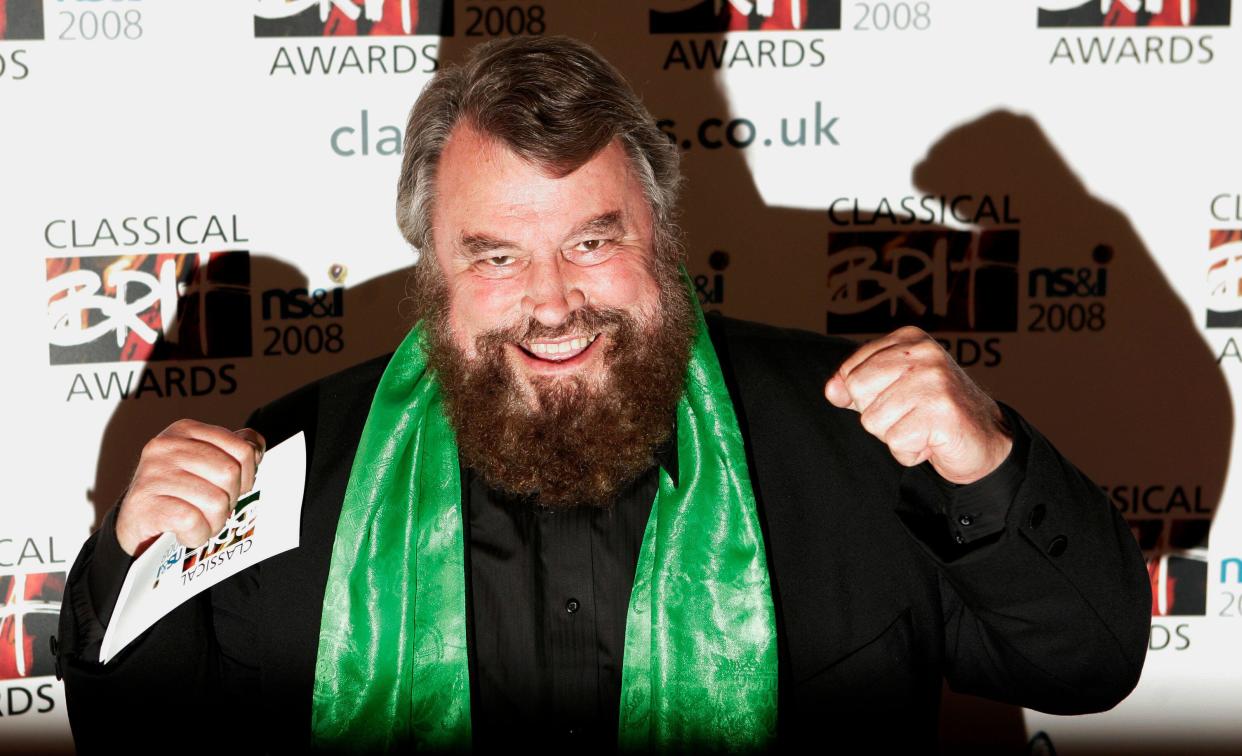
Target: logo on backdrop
<point x="29" y="608"/>
<point x="938" y="280"/>
<point x="778" y="47"/>
<point x="1167" y="24"/>
<point x="716" y="16"/>
<point x="1126" y="13"/>
<point x="32" y="587"/>
<point x="148" y="307"/>
<point x="21" y="19"/>
<point x="1171" y="524"/>
<point x="1224" y="279"/>
<point x="352" y="18"/>
<point x="341" y="20"/>
<point x="894" y="264"/>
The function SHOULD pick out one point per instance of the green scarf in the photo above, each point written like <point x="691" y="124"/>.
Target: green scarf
<point x="699" y="668"/>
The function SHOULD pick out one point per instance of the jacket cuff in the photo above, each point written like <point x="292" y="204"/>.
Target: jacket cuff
<point x="955" y="518"/>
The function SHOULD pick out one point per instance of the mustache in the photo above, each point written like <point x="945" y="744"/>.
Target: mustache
<point x="584" y="320"/>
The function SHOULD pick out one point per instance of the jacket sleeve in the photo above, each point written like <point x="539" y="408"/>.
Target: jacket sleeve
<point x="169" y="682"/>
<point x="1052" y="610"/>
<point x="158" y="686"/>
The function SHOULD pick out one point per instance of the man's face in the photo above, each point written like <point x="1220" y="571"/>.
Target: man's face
<point x="522" y="252"/>
<point x="560" y="349"/>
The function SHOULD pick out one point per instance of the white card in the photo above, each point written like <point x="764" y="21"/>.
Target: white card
<point x="265" y="522"/>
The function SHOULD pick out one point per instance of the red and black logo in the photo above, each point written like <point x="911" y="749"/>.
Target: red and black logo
<point x="938" y="280"/>
<point x="1224" y="276"/>
<point x="717" y="16"/>
<point x="29" y="611"/>
<point x="148" y="307"/>
<point x="1130" y="13"/>
<point x="1176" y="553"/>
<point x="21" y="19"/>
<point x="352" y="18"/>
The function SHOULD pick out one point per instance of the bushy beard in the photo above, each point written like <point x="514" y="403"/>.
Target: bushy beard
<point x="584" y="444"/>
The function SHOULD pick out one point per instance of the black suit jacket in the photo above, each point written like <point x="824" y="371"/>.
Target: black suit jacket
<point x="875" y="603"/>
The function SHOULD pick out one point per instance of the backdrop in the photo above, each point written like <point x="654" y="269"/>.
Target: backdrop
<point x="197" y="216"/>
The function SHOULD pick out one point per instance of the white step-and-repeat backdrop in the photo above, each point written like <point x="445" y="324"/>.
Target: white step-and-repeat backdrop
<point x="196" y="216"/>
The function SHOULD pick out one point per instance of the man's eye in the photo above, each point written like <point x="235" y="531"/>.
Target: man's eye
<point x="499" y="261"/>
<point x="592" y="245"/>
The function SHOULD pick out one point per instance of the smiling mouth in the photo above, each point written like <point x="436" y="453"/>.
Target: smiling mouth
<point x="560" y="350"/>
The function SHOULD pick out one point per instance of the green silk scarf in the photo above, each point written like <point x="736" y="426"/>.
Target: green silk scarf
<point x="699" y="669"/>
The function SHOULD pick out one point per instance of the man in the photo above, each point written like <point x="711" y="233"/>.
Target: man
<point x="570" y="511"/>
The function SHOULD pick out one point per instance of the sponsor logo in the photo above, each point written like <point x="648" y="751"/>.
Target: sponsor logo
<point x="716" y="16"/>
<point x="352" y="18"/>
<point x="29" y="611"/>
<point x="301" y="321"/>
<point x="1130" y="13"/>
<point x="21" y="19"/>
<point x="710" y="287"/>
<point x="148" y="307"/>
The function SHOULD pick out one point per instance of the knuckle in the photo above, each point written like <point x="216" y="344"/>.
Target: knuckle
<point x="185" y="519"/>
<point x="218" y="502"/>
<point x="928" y="350"/>
<point x="181" y="426"/>
<point x="156" y="446"/>
<point x="232" y="470"/>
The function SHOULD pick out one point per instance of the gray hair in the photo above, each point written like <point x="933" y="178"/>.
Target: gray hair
<point x="554" y="101"/>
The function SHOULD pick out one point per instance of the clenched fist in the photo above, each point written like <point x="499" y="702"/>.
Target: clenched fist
<point x="913" y="397"/>
<point x="188" y="480"/>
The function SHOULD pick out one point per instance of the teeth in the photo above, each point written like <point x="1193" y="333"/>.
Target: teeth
<point x="564" y="347"/>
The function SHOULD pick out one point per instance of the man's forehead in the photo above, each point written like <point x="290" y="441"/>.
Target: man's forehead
<point x="486" y="189"/>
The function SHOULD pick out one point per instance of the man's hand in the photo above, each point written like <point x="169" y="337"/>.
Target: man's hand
<point x="914" y="398"/>
<point x="188" y="480"/>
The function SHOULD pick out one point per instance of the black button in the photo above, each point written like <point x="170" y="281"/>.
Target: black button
<point x="56" y="655"/>
<point x="1037" y="515"/>
<point x="1057" y="547"/>
<point x="572" y="605"/>
<point x="966" y="519"/>
<point x="959" y="539"/>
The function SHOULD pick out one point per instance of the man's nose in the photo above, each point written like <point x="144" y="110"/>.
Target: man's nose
<point x="550" y="294"/>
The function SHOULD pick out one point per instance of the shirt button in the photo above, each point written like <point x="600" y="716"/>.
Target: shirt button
<point x="572" y="605"/>
<point x="1037" y="515"/>
<point x="965" y="520"/>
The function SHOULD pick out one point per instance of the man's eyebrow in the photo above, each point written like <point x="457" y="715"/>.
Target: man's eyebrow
<point x="475" y="245"/>
<point x="611" y="222"/>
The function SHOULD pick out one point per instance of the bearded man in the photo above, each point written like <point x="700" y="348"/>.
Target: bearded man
<point x="570" y="510"/>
